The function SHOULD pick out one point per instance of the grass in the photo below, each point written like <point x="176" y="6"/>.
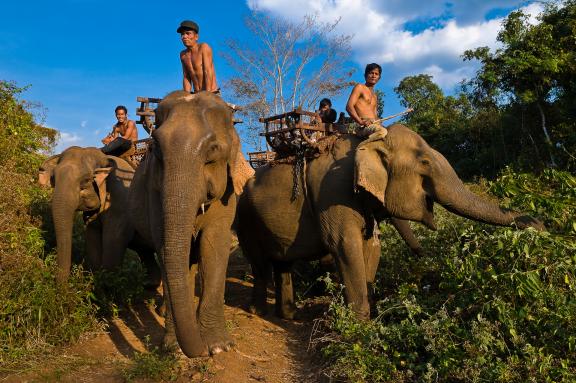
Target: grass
<point x="152" y="365"/>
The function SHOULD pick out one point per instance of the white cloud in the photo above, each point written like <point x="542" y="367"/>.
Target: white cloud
<point x="83" y="123"/>
<point x="68" y="139"/>
<point x="447" y="79"/>
<point x="380" y="32"/>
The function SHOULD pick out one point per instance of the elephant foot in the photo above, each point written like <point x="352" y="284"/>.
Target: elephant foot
<point x="260" y="310"/>
<point x="170" y="343"/>
<point x="287" y="311"/>
<point x="217" y="341"/>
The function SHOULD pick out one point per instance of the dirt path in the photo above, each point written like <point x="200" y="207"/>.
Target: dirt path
<point x="267" y="349"/>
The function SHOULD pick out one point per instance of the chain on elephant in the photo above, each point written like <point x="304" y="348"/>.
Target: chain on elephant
<point x="298" y="172"/>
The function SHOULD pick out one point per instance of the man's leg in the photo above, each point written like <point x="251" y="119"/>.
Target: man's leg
<point x="117" y="147"/>
<point x="373" y="132"/>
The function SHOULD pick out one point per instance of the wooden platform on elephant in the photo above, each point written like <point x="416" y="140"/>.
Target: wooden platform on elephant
<point x="261" y="158"/>
<point x="291" y="132"/>
<point x="136" y="153"/>
<point x="146" y="112"/>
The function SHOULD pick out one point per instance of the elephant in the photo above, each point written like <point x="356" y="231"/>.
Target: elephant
<point x="344" y="192"/>
<point x="87" y="180"/>
<point x="183" y="201"/>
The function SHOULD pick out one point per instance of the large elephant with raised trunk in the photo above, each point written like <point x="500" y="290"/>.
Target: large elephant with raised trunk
<point x="183" y="201"/>
<point x="345" y="191"/>
<point x="87" y="180"/>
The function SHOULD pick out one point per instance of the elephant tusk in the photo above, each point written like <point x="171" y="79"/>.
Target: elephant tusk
<point x="202" y="206"/>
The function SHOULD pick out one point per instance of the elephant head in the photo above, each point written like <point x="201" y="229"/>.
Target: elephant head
<point x="196" y="152"/>
<point x="407" y="176"/>
<point x="78" y="176"/>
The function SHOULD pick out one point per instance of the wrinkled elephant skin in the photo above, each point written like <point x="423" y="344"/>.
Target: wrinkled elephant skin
<point x="183" y="202"/>
<point x="87" y="180"/>
<point x="348" y="188"/>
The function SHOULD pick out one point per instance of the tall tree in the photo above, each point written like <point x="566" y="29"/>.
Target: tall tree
<point x="23" y="140"/>
<point x="524" y="70"/>
<point x="286" y="65"/>
<point x="380" y="107"/>
<point x="426" y="98"/>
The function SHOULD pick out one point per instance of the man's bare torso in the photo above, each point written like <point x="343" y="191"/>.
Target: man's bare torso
<point x="193" y="65"/>
<point x="122" y="130"/>
<point x="367" y="102"/>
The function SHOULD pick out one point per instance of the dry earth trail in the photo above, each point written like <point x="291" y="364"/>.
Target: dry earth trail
<point x="267" y="349"/>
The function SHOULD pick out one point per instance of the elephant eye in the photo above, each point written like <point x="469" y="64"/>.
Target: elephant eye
<point x="86" y="182"/>
<point x="213" y="153"/>
<point x="425" y="162"/>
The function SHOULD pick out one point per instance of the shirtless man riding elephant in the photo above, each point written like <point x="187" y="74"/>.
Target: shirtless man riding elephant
<point x="124" y="134"/>
<point x="362" y="105"/>
<point x="197" y="63"/>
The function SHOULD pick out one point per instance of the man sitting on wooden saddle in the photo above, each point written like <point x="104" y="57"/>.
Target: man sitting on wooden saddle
<point x="363" y="103"/>
<point x="120" y="141"/>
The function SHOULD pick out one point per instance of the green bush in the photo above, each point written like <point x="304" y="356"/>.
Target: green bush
<point x="121" y="287"/>
<point x="485" y="304"/>
<point x="151" y="365"/>
<point x="36" y="312"/>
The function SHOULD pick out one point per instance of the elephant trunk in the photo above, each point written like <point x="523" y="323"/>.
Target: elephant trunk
<point x="180" y="202"/>
<point x="64" y="204"/>
<point x="450" y="192"/>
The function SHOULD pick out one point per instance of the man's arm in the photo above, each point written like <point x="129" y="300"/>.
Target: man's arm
<point x="186" y="83"/>
<point x="131" y="131"/>
<point x="352" y="100"/>
<point x="110" y="137"/>
<point x="208" y="67"/>
<point x="186" y="80"/>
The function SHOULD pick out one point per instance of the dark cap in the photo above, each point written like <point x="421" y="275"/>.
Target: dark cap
<point x="187" y="25"/>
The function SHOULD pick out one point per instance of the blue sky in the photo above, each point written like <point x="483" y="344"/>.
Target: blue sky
<point x="84" y="57"/>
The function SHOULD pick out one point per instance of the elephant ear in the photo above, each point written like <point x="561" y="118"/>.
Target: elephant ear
<point x="46" y="171"/>
<point x="370" y="173"/>
<point x="240" y="170"/>
<point x="100" y="176"/>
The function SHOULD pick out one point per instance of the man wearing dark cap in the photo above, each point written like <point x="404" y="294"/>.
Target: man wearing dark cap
<point x="197" y="64"/>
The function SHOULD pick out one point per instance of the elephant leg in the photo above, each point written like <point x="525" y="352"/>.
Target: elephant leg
<point x="214" y="250"/>
<point x="152" y="269"/>
<point x="148" y="260"/>
<point x="114" y="245"/>
<point x="285" y="306"/>
<point x="352" y="267"/>
<point x="261" y="270"/>
<point x="94" y="245"/>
